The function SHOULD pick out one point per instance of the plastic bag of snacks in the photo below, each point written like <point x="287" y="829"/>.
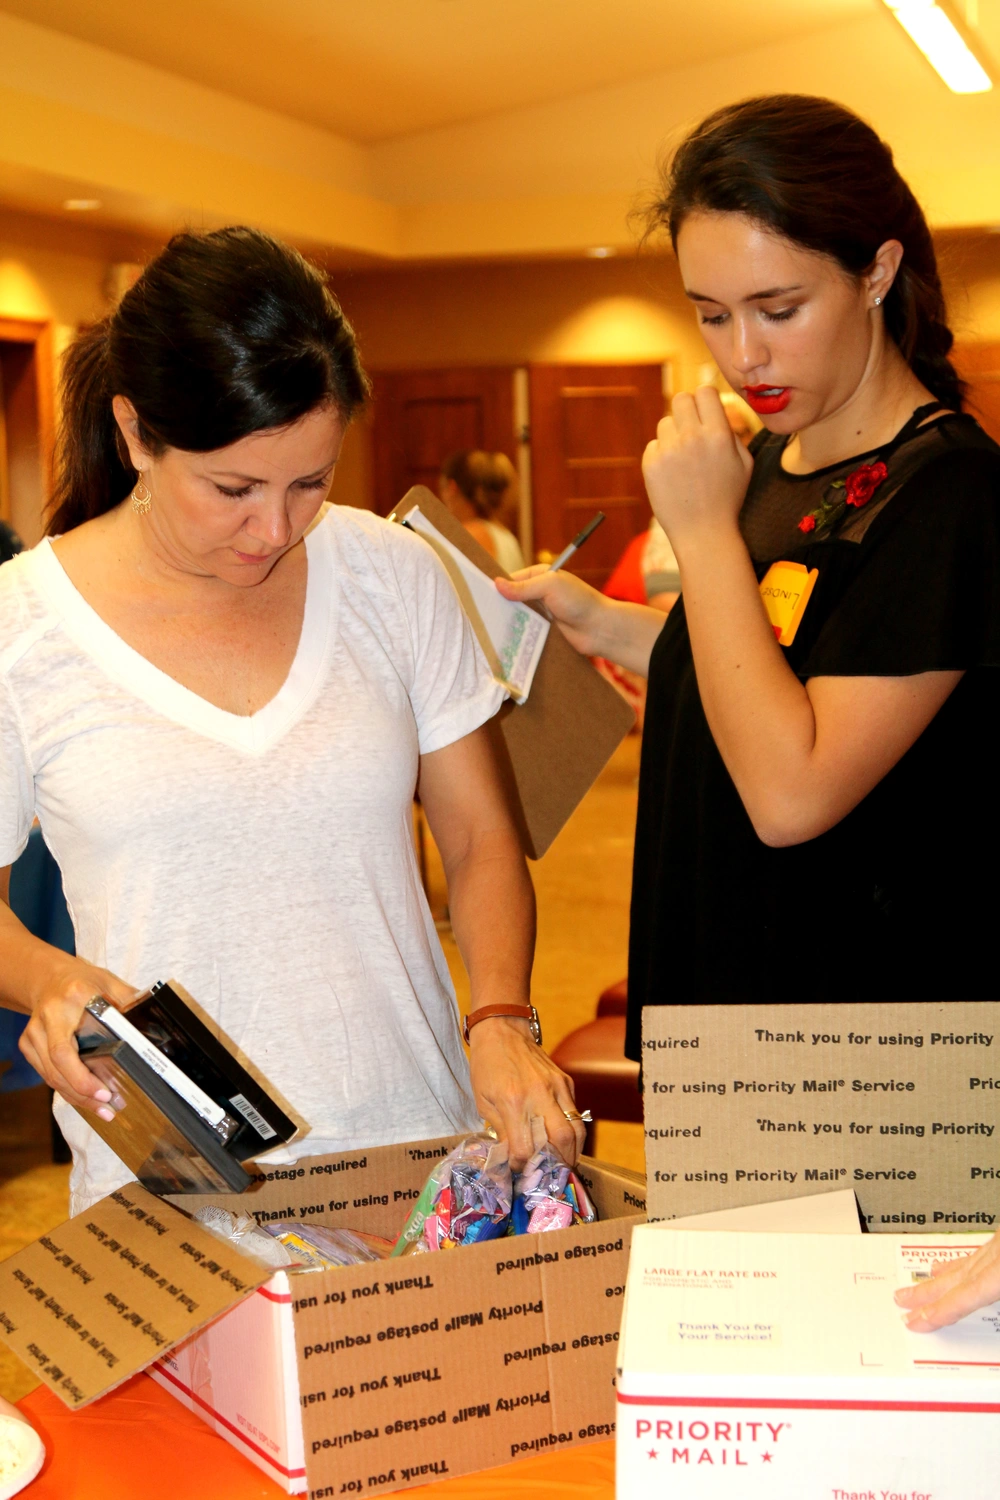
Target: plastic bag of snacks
<point x="242" y="1232"/>
<point x="319" y="1247"/>
<point x="548" y="1195"/>
<point x="466" y="1199"/>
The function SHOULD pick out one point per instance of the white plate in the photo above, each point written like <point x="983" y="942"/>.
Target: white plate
<point x="29" y="1451"/>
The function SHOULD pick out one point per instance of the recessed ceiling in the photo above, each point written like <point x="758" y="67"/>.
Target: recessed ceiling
<point x="372" y="70"/>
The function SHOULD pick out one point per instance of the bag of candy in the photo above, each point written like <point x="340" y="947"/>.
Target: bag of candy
<point x="243" y="1233"/>
<point x="465" y="1200"/>
<point x="319" y="1247"/>
<point x="548" y="1195"/>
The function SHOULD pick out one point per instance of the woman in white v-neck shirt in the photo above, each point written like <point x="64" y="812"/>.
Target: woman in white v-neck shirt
<point x="218" y="697"/>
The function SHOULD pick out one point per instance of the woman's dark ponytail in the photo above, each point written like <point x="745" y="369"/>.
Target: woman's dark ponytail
<point x="223" y="334"/>
<point x="815" y="173"/>
<point x="917" y="319"/>
<point x="91" y="476"/>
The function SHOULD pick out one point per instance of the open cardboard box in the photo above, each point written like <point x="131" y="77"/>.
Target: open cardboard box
<point x="776" y="1364"/>
<point x="358" y="1380"/>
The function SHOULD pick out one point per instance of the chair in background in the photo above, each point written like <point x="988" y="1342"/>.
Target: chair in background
<point x="605" y="1080"/>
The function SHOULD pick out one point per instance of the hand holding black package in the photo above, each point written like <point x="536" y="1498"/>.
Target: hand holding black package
<point x="187" y="1113"/>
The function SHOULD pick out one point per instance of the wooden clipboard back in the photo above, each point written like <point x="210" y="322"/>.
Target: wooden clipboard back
<point x="552" y="748"/>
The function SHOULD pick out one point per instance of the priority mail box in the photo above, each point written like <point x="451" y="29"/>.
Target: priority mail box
<point x="778" y="1365"/>
<point x="357" y="1380"/>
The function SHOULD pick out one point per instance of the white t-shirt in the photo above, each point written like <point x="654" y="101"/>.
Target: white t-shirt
<point x="507" y="548"/>
<point x="265" y="862"/>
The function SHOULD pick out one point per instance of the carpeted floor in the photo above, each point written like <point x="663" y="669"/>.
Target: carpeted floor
<point x="583" y="893"/>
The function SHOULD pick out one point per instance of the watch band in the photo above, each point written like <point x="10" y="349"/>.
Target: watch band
<point x="522" y="1012"/>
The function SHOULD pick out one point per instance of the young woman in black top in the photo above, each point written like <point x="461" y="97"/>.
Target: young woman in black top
<point x="818" y="814"/>
<point x="817" y="820"/>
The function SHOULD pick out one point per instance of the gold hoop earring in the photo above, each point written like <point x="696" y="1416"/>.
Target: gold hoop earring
<point x="142" y="497"/>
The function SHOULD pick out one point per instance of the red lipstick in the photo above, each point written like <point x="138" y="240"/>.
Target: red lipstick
<point x="767" y="399"/>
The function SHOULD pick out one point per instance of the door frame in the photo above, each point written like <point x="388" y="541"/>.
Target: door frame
<point x="38" y="332"/>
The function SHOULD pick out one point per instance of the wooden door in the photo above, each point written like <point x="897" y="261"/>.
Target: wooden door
<point x="979" y="364"/>
<point x="26" y="424"/>
<point x="589" y="426"/>
<point x="421" y="416"/>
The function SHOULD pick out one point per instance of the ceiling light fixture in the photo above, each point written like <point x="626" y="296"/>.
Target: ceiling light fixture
<point x="601" y="252"/>
<point x="81" y="205"/>
<point x="943" y="45"/>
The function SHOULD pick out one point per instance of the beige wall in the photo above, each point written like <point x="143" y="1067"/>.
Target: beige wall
<point x="620" y="309"/>
<point x="970" y="270"/>
<point x="48" y="270"/>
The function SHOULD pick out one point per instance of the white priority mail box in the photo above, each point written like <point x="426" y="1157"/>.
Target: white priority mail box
<point x="778" y="1365"/>
<point x="825" y="1213"/>
<point x="241" y="1377"/>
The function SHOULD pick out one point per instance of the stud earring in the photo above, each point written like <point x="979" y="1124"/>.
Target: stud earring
<point x="142" y="497"/>
<point x="878" y="301"/>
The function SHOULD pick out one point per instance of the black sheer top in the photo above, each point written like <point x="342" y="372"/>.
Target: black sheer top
<point x="898" y="901"/>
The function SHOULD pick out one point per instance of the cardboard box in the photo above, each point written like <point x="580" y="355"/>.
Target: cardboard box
<point x="900" y="1102"/>
<point x="826" y="1213"/>
<point x="777" y="1365"/>
<point x="365" y="1379"/>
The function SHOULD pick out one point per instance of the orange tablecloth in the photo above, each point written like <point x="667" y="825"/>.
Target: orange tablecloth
<point x="141" y="1444"/>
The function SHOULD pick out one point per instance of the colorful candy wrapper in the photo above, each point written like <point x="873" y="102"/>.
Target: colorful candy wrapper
<point x="465" y="1200"/>
<point x="318" y="1247"/>
<point x="548" y="1195"/>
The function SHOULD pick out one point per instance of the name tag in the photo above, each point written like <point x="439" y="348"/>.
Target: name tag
<point x="785" y="590"/>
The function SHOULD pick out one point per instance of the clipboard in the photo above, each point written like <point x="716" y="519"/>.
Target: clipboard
<point x="552" y="747"/>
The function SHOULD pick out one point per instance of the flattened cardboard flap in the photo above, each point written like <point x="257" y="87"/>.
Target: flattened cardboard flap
<point x="899" y="1100"/>
<point x="553" y="747"/>
<point x="98" y="1299"/>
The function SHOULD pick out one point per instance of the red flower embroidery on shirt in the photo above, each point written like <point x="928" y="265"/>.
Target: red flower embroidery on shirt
<point x="862" y="484"/>
<point x="808" y="523"/>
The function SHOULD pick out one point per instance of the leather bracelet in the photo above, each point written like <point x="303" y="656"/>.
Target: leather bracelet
<point x="522" y="1012"/>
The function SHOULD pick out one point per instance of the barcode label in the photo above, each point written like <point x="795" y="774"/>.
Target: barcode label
<point x="254" y="1116"/>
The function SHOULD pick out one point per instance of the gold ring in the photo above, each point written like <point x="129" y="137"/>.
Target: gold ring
<point x="585" y="1119"/>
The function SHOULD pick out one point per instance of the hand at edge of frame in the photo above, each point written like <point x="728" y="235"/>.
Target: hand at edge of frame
<point x="953" y="1290"/>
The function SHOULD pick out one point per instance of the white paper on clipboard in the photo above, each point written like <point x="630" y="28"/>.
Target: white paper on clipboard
<point x="511" y="635"/>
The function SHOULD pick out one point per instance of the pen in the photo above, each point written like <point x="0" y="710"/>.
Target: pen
<point x="577" y="542"/>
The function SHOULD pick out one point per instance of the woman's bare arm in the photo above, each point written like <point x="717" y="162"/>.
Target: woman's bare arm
<point x="492" y="905"/>
<point x="801" y="755"/>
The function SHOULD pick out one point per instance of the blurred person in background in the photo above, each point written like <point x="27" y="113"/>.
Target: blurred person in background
<point x="478" y="488"/>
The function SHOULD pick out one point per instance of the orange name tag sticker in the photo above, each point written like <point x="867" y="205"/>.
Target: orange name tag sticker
<point x="785" y="590"/>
